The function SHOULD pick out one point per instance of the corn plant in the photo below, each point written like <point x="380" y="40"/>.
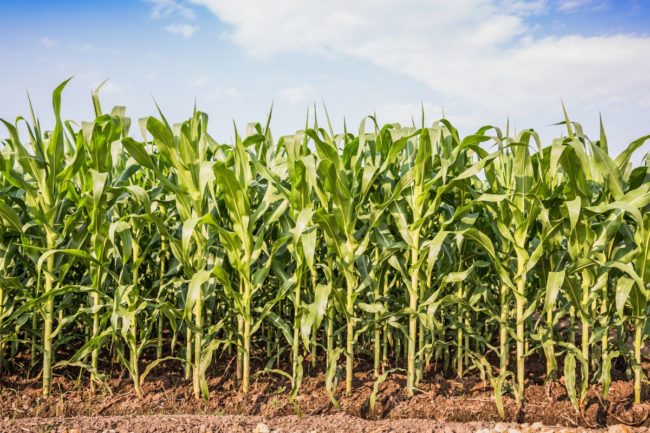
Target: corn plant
<point x="43" y="179"/>
<point x="411" y="248"/>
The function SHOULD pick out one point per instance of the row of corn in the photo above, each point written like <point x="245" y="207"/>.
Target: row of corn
<point x="409" y="247"/>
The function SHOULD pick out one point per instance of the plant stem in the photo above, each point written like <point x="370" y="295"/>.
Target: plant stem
<point x="604" y="342"/>
<point x="188" y="352"/>
<point x="247" y="337"/>
<point x="377" y="347"/>
<point x="459" y="336"/>
<point x="296" y="322"/>
<point x="412" y="331"/>
<point x="521" y="305"/>
<point x="135" y="280"/>
<point x="163" y="263"/>
<point x="47" y="318"/>
<point x="572" y="322"/>
<point x="503" y="331"/>
<point x="314" y="338"/>
<point x="349" y="305"/>
<point x="638" y="341"/>
<point x="330" y="315"/>
<point x="550" y="352"/>
<point x="94" y="356"/>
<point x="386" y="330"/>
<point x="198" y="345"/>
<point x="586" y="280"/>
<point x="377" y="327"/>
<point x="240" y="351"/>
<point x="2" y="343"/>
<point x="422" y="332"/>
<point x="330" y="330"/>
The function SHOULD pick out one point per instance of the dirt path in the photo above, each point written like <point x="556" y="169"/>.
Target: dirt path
<point x="253" y="424"/>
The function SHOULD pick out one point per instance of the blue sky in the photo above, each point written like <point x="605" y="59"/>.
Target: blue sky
<point x="482" y="61"/>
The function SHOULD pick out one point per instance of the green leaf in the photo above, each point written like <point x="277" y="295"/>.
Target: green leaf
<point x="554" y="282"/>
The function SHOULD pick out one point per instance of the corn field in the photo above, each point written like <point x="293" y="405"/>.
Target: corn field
<point x="411" y="249"/>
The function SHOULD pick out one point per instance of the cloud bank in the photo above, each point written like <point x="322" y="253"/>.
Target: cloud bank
<point x="490" y="55"/>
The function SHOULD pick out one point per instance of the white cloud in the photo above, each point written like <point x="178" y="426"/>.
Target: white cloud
<point x="167" y="8"/>
<point x="479" y="56"/>
<point x="184" y="30"/>
<point x="335" y="26"/>
<point x="48" y="42"/>
<point x="574" y="5"/>
<point x="296" y="94"/>
<point x="524" y="7"/>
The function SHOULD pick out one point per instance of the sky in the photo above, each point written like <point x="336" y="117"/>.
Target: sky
<point x="480" y="62"/>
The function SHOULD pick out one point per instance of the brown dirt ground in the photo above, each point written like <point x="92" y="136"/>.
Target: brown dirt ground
<point x="339" y="423"/>
<point x="444" y="400"/>
<point x="168" y="395"/>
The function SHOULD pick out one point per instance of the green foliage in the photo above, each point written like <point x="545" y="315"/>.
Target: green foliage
<point x="409" y="245"/>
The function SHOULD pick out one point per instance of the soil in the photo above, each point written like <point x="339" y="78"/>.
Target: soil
<point x="444" y="400"/>
<point x="440" y="403"/>
<point x="339" y="423"/>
